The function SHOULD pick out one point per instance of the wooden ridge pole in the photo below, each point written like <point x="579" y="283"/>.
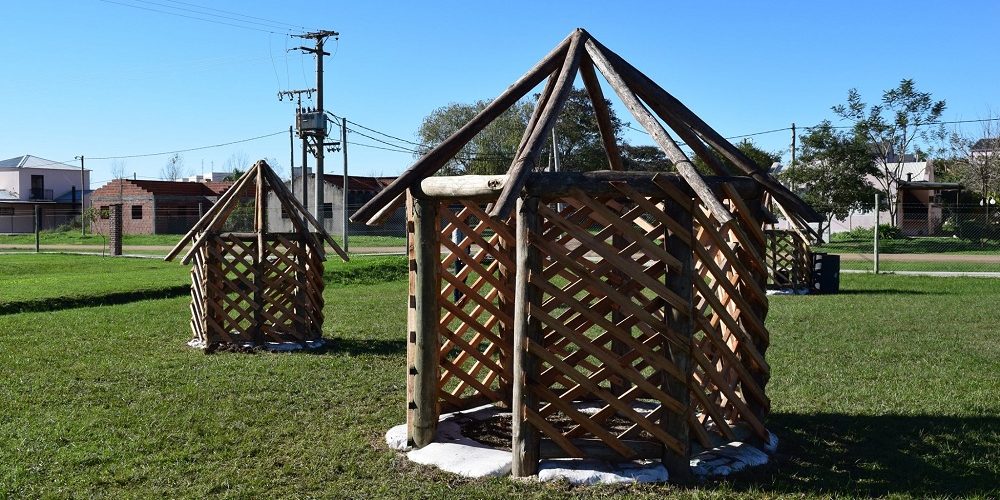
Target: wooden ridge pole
<point x="525" y="439"/>
<point x="220" y="217"/>
<point x="437" y="157"/>
<point x="222" y="202"/>
<point x="527" y="156"/>
<point x="660" y="135"/>
<point x="422" y="428"/>
<point x="602" y="113"/>
<point x="652" y="92"/>
<point x="287" y="195"/>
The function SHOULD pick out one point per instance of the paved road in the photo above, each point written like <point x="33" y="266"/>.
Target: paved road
<point x="924" y="257"/>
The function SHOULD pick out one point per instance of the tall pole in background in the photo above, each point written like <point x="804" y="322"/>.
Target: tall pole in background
<point x="291" y="154"/>
<point x="319" y="133"/>
<point x="83" y="188"/>
<point x="877" y="221"/>
<point x="343" y="146"/>
<point x="791" y="165"/>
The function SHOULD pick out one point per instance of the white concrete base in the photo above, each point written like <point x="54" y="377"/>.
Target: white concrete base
<point x="270" y="346"/>
<point x="455" y="453"/>
<point x="588" y="471"/>
<point x="800" y="291"/>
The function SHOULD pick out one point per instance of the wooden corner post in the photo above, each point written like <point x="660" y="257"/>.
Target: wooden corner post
<point x="424" y="343"/>
<point x="525" y="440"/>
<point x="681" y="282"/>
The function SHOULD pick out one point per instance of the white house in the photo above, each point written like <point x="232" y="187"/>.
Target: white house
<point x="59" y="189"/>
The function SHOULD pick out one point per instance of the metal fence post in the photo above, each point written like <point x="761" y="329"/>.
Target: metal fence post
<point x="877" y="222"/>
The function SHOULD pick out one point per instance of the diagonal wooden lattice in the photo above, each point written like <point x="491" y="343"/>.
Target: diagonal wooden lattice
<point x="612" y="369"/>
<point x="606" y="339"/>
<point x="789" y="261"/>
<point x="476" y="301"/>
<point x="231" y="293"/>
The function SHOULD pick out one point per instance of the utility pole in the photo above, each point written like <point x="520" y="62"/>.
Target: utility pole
<point x="343" y="147"/>
<point x="83" y="187"/>
<point x="318" y="129"/>
<point x="792" y="164"/>
<point x="303" y="133"/>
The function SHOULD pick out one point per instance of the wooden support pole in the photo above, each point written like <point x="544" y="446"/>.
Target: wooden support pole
<point x="527" y="328"/>
<point x="659" y="135"/>
<point x="548" y="186"/>
<point x="679" y="281"/>
<point x="422" y="427"/>
<point x="260" y="260"/>
<point x="527" y="156"/>
<point x="602" y="113"/>
<point x="433" y="160"/>
<point x="651" y="92"/>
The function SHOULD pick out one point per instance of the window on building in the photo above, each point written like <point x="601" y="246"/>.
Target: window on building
<point x="284" y="212"/>
<point x="105" y="211"/>
<point x="6" y="210"/>
<point x="136" y="211"/>
<point x="328" y="210"/>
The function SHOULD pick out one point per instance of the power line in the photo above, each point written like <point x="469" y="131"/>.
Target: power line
<point x="194" y="17"/>
<point x="238" y="14"/>
<point x="144" y="155"/>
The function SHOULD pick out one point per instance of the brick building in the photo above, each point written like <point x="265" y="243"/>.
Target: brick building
<point x="158" y="207"/>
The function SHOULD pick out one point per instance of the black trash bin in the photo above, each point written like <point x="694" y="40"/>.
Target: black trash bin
<point x="826" y="273"/>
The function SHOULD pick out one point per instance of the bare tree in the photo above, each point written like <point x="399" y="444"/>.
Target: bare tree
<point x="897" y="126"/>
<point x="174" y="169"/>
<point x="237" y="162"/>
<point x="118" y="169"/>
<point x="977" y="157"/>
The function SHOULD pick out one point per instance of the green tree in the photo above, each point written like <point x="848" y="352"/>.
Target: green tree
<point x="900" y="124"/>
<point x="832" y="172"/>
<point x="763" y="159"/>
<point x="645" y="159"/>
<point x="492" y="150"/>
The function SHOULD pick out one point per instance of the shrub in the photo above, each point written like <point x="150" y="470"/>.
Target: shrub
<point x="885" y="231"/>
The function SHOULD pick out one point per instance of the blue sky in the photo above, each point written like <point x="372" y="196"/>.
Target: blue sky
<point x="102" y="78"/>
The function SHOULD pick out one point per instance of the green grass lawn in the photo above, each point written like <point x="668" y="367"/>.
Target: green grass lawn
<point x="889" y="388"/>
<point x="37" y="282"/>
<point x="166" y="240"/>
<point x="927" y="244"/>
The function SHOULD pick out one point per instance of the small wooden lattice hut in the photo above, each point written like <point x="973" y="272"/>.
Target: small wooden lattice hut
<point x="638" y="294"/>
<point x="251" y="286"/>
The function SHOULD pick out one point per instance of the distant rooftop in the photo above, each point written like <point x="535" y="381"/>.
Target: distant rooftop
<point x="29" y="161"/>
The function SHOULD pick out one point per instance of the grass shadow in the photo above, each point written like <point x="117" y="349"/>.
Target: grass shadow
<point x="847" y="455"/>
<point x="114" y="298"/>
<point x="361" y="347"/>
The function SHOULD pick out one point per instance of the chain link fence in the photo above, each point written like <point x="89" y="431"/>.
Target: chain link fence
<point x="153" y="232"/>
<point x="952" y="239"/>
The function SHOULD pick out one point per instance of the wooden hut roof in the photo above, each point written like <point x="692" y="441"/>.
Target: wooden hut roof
<point x="260" y="175"/>
<point x="649" y="103"/>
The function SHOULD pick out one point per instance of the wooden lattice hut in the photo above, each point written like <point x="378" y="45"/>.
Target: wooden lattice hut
<point x="251" y="286"/>
<point x="640" y="292"/>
